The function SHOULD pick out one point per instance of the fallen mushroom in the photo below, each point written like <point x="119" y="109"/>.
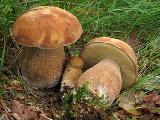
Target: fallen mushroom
<point x="44" y="31"/>
<point x="111" y="66"/>
<point x="72" y="72"/>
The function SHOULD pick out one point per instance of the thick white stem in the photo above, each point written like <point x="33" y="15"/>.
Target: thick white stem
<point x="40" y="67"/>
<point x="72" y="72"/>
<point x="103" y="79"/>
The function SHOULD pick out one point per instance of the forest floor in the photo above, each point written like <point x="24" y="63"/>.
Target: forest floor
<point x="136" y="22"/>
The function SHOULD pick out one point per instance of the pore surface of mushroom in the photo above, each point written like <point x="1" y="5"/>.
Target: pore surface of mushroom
<point x="44" y="31"/>
<point x="111" y="65"/>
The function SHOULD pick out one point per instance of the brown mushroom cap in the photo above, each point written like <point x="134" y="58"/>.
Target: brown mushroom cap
<point x="46" y="27"/>
<point x="105" y="47"/>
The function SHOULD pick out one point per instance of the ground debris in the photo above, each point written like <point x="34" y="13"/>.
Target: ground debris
<point x="139" y="105"/>
<point x="20" y="102"/>
<point x="23" y="112"/>
<point x="128" y="103"/>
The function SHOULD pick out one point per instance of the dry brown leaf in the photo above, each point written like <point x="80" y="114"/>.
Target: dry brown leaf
<point x="148" y="98"/>
<point x="158" y="102"/>
<point x="139" y="95"/>
<point x="23" y="112"/>
<point x="148" y="117"/>
<point x="4" y="117"/>
<point x="120" y="115"/>
<point x="140" y="105"/>
<point x="150" y="103"/>
<point x="128" y="104"/>
<point x="152" y="98"/>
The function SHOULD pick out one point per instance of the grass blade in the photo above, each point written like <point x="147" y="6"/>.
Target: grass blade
<point x="2" y="58"/>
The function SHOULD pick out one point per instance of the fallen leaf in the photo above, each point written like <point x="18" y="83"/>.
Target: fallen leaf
<point x="149" y="109"/>
<point x="149" y="104"/>
<point x="153" y="98"/>
<point x="158" y="102"/>
<point x="128" y="104"/>
<point x="148" y="98"/>
<point x="120" y="115"/>
<point x="23" y="112"/>
<point x="4" y="117"/>
<point x="139" y="96"/>
<point x="148" y="117"/>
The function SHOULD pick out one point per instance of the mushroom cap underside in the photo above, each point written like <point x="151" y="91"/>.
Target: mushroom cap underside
<point x="105" y="47"/>
<point x="46" y="27"/>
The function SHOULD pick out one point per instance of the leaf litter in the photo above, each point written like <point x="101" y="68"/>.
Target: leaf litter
<point x="23" y="103"/>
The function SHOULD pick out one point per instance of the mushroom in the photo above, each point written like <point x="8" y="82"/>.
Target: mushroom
<point x="72" y="72"/>
<point x="44" y="31"/>
<point x="111" y="66"/>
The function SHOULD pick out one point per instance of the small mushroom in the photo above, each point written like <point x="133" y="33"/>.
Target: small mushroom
<point x="72" y="72"/>
<point x="44" y="31"/>
<point x="111" y="66"/>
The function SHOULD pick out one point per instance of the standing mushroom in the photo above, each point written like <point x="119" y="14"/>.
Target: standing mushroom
<point x="112" y="65"/>
<point x="44" y="31"/>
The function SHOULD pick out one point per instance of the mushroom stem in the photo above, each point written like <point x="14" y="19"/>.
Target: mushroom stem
<point x="103" y="79"/>
<point x="40" y="67"/>
<point x="72" y="72"/>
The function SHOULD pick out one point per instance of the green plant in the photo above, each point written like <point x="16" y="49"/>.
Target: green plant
<point x="73" y="98"/>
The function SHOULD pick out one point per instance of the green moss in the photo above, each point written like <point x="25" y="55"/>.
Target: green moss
<point x="75" y="98"/>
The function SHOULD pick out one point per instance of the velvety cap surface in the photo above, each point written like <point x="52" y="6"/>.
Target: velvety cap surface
<point x="46" y="27"/>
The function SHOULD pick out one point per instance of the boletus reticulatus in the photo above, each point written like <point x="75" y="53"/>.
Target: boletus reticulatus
<point x="44" y="31"/>
<point x="110" y="65"/>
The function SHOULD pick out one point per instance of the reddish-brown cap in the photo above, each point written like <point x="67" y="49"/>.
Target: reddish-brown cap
<point x="46" y="27"/>
<point x="105" y="47"/>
